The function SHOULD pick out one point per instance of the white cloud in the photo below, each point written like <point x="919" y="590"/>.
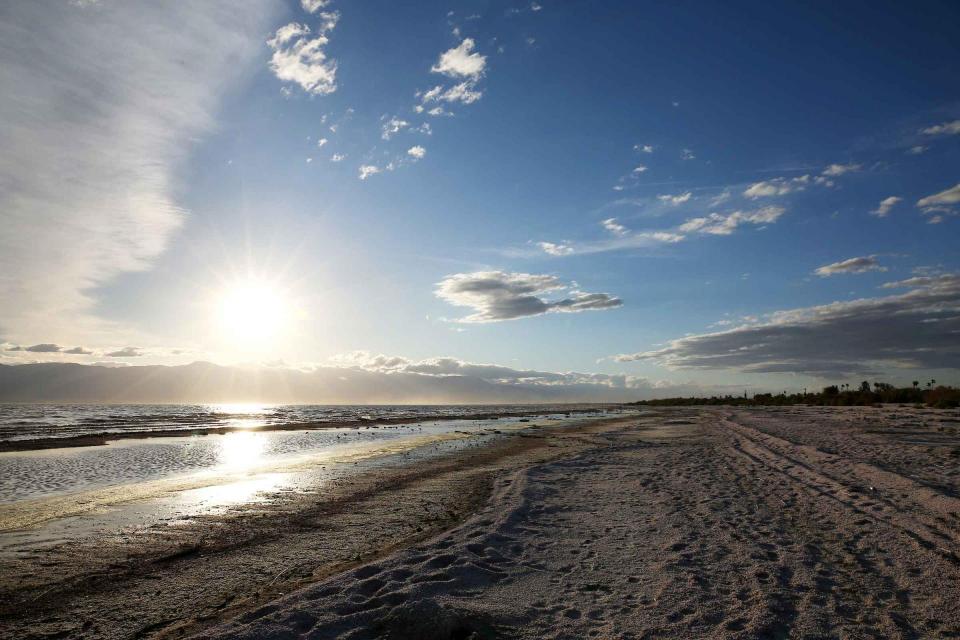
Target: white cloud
<point x="461" y="62"/>
<point x="614" y="227"/>
<point x="645" y="148"/>
<point x="392" y="126"/>
<point x="944" y="129"/>
<point x="916" y="329"/>
<point x="724" y="225"/>
<point x="312" y="6"/>
<point x="99" y="111"/>
<point x="465" y="92"/>
<point x="321" y="142"/>
<point x="416" y="152"/>
<point x="639" y="168"/>
<point x="916" y="150"/>
<point x="883" y="209"/>
<point x="497" y="295"/>
<point x="299" y="58"/>
<point x="720" y="199"/>
<point x="367" y="170"/>
<point x="686" y="154"/>
<point x="835" y="170"/>
<point x="861" y="264"/>
<point x="675" y="200"/>
<point x="556" y="249"/>
<point x="776" y="187"/>
<point x="337" y="157"/>
<point x="663" y="236"/>
<point x="624" y="239"/>
<point x="948" y="197"/>
<point x="782" y="186"/>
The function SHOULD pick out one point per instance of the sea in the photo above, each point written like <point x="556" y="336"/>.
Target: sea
<point x="36" y="421"/>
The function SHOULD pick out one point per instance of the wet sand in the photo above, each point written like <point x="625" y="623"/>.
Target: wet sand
<point x="683" y="523"/>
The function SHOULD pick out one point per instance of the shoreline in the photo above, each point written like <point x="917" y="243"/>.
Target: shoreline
<point x="715" y="522"/>
<point x="102" y="438"/>
<point x="243" y="559"/>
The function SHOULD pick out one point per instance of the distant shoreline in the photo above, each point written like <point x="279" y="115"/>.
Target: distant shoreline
<point x="102" y="438"/>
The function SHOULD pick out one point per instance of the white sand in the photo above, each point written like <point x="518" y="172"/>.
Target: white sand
<point x="735" y="524"/>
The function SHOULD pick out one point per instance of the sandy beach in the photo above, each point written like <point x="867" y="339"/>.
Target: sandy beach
<point x="678" y="523"/>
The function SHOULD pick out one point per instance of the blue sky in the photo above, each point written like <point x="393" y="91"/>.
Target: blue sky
<point x="641" y="190"/>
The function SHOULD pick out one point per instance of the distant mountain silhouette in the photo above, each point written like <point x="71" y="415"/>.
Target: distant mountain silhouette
<point x="202" y="382"/>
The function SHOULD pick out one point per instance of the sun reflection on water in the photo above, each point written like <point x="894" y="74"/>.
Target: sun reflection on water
<point x="241" y="451"/>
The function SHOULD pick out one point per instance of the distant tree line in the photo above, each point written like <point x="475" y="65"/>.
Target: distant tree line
<point x="835" y="395"/>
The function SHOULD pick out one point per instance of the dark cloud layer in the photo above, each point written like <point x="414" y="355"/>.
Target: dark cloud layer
<point x="45" y="347"/>
<point x="358" y="379"/>
<point x="916" y="329"/>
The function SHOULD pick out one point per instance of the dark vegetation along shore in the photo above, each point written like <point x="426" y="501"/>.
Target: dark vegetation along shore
<point x="842" y="395"/>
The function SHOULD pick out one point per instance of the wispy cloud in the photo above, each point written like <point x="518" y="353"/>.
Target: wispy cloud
<point x="719" y="224"/>
<point x="367" y="170"/>
<point x="885" y="206"/>
<point x="861" y="264"/>
<point x="675" y="200"/>
<point x="725" y="224"/>
<point x="945" y="198"/>
<point x="614" y="227"/>
<point x="835" y="170"/>
<point x="92" y="190"/>
<point x="497" y="295"/>
<point x="555" y="248"/>
<point x="784" y="186"/>
<point x="776" y="187"/>
<point x="391" y="127"/>
<point x="951" y="128"/>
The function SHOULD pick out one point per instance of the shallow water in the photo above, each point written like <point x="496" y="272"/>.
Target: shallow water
<point x="57" y="495"/>
<point x="44" y="473"/>
<point x="29" y="421"/>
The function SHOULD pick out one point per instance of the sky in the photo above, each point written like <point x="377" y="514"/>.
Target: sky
<point x="649" y="198"/>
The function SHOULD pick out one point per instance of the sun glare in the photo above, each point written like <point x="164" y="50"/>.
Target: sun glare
<point x="253" y="311"/>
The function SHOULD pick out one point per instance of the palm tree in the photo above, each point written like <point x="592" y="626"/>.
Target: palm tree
<point x="916" y="383"/>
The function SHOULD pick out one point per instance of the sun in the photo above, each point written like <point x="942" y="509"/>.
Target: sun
<point x="253" y="311"/>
